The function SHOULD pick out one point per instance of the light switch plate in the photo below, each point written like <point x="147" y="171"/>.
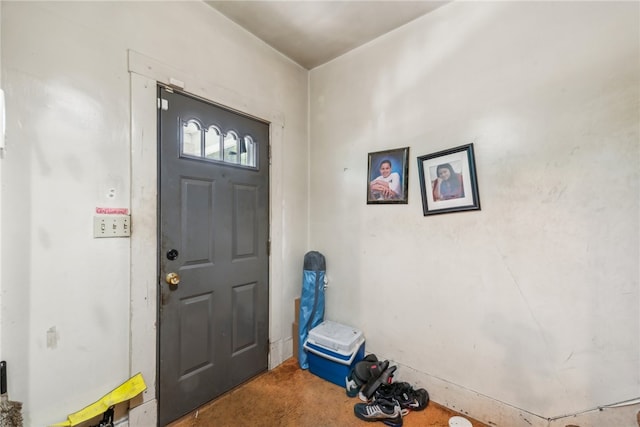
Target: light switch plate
<point x="111" y="226"/>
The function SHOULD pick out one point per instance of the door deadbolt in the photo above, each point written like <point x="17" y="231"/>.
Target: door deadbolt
<point x="172" y="279"/>
<point x="172" y="255"/>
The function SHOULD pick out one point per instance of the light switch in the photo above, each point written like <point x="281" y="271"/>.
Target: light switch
<point x="112" y="226"/>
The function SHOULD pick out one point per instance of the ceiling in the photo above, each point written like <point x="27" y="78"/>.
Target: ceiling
<point x="313" y="32"/>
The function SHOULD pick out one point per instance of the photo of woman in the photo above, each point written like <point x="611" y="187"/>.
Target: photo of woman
<point x="448" y="183"/>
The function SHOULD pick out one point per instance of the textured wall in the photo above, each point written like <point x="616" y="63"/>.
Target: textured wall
<point x="67" y="297"/>
<point x="534" y="300"/>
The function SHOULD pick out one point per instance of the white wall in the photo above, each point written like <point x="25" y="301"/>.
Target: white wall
<point x="531" y="305"/>
<point x="67" y="298"/>
<point x="536" y="310"/>
<point x="1" y="185"/>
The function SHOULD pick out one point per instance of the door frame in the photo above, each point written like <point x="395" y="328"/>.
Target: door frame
<point x="145" y="73"/>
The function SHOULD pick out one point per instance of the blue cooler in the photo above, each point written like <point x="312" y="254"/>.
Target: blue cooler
<point x="333" y="349"/>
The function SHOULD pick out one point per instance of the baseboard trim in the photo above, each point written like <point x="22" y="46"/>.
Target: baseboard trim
<point x="620" y="415"/>
<point x="499" y="414"/>
<point x="470" y="403"/>
<point x="280" y="351"/>
<point x="144" y="415"/>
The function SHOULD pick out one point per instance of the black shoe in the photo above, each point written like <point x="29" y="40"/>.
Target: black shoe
<point x="364" y="371"/>
<point x="387" y="411"/>
<point x="404" y="393"/>
<point x="386" y="377"/>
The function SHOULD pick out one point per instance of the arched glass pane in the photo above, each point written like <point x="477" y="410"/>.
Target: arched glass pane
<point x="231" y="147"/>
<point x="212" y="140"/>
<point x="248" y="152"/>
<point x="191" y="139"/>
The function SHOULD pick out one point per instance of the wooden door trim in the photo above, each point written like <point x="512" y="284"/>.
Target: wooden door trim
<point x="145" y="73"/>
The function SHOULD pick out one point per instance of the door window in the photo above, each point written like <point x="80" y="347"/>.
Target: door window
<point x="210" y="143"/>
<point x="191" y="139"/>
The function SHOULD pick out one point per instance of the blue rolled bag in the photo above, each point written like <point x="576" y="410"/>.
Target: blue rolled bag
<point x="311" y="299"/>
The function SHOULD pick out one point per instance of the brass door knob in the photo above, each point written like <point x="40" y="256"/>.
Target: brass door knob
<point x="172" y="279"/>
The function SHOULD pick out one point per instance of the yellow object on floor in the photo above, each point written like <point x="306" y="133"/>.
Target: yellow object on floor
<point x="127" y="390"/>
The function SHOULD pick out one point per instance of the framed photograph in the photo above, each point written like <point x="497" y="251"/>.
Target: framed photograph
<point x="388" y="177"/>
<point x="448" y="181"/>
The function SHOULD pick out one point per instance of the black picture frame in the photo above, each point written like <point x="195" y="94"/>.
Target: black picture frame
<point x="386" y="189"/>
<point x="448" y="181"/>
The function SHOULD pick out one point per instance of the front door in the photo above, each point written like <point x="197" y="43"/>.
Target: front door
<point x="213" y="249"/>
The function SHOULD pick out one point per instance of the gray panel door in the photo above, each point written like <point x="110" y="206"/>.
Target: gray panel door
<point x="213" y="237"/>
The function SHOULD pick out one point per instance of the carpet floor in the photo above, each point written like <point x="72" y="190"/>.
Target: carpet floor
<point x="288" y="396"/>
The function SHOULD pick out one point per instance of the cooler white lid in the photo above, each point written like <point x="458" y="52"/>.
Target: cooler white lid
<point x="336" y="336"/>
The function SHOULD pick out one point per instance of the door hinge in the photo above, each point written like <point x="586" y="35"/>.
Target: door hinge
<point x="269" y="153"/>
<point x="163" y="104"/>
<point x="268" y="247"/>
